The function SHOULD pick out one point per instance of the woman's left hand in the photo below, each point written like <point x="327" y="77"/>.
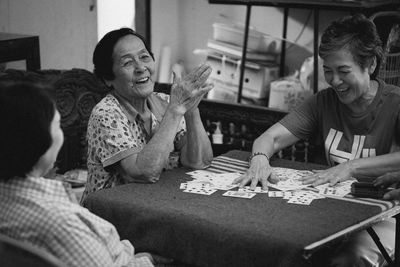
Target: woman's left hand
<point x="186" y="93"/>
<point x="332" y="175"/>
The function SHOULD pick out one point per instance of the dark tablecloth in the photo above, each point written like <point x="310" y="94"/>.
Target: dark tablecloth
<point x="222" y="231"/>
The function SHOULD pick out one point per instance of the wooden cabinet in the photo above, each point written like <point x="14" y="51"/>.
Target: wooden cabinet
<point x="15" y="47"/>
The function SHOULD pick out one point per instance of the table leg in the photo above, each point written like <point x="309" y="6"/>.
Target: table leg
<point x="316" y="41"/>
<point x="377" y="241"/>
<point x="397" y="242"/>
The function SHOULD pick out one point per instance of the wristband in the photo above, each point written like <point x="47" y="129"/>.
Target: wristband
<point x="258" y="154"/>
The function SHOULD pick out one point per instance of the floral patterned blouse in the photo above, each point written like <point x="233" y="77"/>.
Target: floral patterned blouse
<point x="116" y="131"/>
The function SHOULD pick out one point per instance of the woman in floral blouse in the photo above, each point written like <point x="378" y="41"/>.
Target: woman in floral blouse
<point x="135" y="133"/>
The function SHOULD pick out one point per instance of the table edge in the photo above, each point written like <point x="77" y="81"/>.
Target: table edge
<point x="310" y="249"/>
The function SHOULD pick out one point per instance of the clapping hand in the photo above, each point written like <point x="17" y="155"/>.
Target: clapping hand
<point x="186" y="93"/>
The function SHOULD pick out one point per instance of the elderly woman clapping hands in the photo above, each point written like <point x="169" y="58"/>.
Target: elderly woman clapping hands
<point x="135" y="133"/>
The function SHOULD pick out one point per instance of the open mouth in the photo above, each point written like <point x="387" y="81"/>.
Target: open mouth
<point x="342" y="90"/>
<point x="142" y="80"/>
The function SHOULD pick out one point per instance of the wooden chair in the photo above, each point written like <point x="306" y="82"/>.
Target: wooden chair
<point x="76" y="92"/>
<point x="388" y="26"/>
<point x="14" y="253"/>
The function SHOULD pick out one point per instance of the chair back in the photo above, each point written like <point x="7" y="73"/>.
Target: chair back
<point x="15" y="253"/>
<point x="388" y="27"/>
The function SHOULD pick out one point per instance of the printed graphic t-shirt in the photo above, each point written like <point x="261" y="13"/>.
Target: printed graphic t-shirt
<point x="344" y="134"/>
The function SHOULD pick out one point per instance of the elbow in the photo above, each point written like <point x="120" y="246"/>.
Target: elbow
<point x="146" y="176"/>
<point x="197" y="165"/>
<point x="200" y="163"/>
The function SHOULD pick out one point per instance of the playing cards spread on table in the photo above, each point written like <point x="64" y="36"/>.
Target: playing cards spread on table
<point x="289" y="179"/>
<point x="338" y="190"/>
<point x="289" y="187"/>
<point x="206" y="183"/>
<point x="300" y="197"/>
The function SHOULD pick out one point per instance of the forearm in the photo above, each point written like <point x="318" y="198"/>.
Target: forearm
<point x="148" y="164"/>
<point x="197" y="152"/>
<point x="375" y="166"/>
<point x="274" y="139"/>
<point x="264" y="144"/>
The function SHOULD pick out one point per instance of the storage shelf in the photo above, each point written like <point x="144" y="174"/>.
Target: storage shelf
<point x="322" y="4"/>
<point x="364" y="6"/>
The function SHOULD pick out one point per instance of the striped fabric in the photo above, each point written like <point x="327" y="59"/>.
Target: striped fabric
<point x="222" y="164"/>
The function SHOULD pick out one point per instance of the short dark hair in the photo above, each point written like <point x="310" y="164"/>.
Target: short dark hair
<point x="26" y="113"/>
<point x="103" y="53"/>
<point x="358" y="34"/>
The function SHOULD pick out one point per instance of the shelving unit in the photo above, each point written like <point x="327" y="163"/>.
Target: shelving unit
<point x="364" y="6"/>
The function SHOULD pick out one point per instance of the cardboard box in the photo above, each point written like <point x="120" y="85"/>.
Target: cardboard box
<point x="287" y="94"/>
<point x="257" y="78"/>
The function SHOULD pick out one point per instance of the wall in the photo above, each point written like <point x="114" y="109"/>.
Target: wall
<point x="66" y="29"/>
<point x="185" y="25"/>
<point x="113" y="15"/>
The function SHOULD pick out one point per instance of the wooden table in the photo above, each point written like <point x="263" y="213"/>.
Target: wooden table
<point x="15" y="47"/>
<point x="215" y="230"/>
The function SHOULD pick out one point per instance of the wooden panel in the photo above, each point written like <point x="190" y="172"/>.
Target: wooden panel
<point x="142" y="19"/>
<point x="15" y="47"/>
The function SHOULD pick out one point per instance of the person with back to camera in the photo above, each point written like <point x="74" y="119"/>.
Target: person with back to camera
<point x="357" y="120"/>
<point x="133" y="130"/>
<point x="44" y="212"/>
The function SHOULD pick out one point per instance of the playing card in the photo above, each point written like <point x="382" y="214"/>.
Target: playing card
<point x="258" y="189"/>
<point x="289" y="179"/>
<point x="224" y="186"/>
<point x="229" y="175"/>
<point x="339" y="190"/>
<point x="201" y="191"/>
<point x="287" y="173"/>
<point x="201" y="174"/>
<point x="301" y="199"/>
<point x="275" y="193"/>
<point x="239" y="194"/>
<point x="287" y="194"/>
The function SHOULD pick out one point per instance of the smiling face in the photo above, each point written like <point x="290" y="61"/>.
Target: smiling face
<point x="350" y="82"/>
<point x="133" y="67"/>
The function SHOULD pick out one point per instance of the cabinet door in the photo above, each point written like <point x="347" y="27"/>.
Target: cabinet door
<point x="67" y="30"/>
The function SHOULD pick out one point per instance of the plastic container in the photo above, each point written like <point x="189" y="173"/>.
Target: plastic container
<point x="217" y="136"/>
<point x="269" y="44"/>
<point x="234" y="34"/>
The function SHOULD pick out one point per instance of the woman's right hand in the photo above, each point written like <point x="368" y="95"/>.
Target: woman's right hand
<point x="187" y="93"/>
<point x="259" y="171"/>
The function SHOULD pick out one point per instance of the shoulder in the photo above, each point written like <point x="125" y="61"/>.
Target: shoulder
<point x="389" y="89"/>
<point x="108" y="107"/>
<point x="66" y="216"/>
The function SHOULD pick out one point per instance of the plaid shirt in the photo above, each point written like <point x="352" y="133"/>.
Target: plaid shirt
<point x="44" y="213"/>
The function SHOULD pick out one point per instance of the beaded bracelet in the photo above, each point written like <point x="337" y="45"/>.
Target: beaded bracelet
<point x="258" y="154"/>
